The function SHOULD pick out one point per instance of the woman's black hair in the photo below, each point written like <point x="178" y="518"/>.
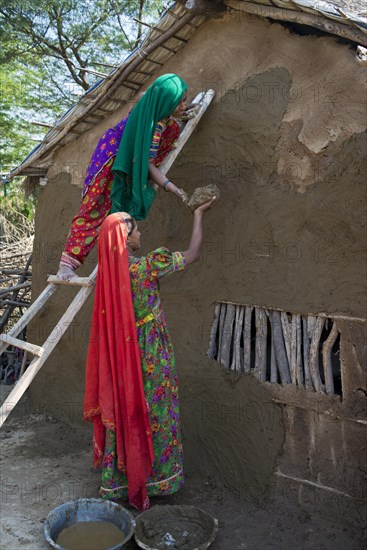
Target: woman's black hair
<point x="131" y="225"/>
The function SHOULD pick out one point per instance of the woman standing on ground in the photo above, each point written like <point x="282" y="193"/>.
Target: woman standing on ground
<point x="131" y="383"/>
<point x="125" y="157"/>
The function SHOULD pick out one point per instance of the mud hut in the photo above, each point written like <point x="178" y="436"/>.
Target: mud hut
<point x="269" y="327"/>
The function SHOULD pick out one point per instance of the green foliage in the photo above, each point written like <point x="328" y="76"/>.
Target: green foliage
<point x="25" y="94"/>
<point x="45" y="44"/>
<point x="15" y="202"/>
<point x="17" y="212"/>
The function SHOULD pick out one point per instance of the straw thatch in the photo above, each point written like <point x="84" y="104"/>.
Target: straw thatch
<point x="175" y="28"/>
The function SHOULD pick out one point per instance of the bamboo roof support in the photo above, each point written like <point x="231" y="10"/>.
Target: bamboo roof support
<point x="167" y="48"/>
<point x="95" y="115"/>
<point x="133" y="83"/>
<point x="105" y="65"/>
<point x="107" y="111"/>
<point x="155" y="28"/>
<point x="118" y="100"/>
<point x="139" y="71"/>
<point x="96" y="73"/>
<point x="43" y="124"/>
<point x="177" y="17"/>
<point x="152" y="61"/>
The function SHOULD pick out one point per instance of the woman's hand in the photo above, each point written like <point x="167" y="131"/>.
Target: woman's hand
<point x="183" y="195"/>
<point x="206" y="206"/>
<point x="179" y="192"/>
<point x="190" y="112"/>
<point x="161" y="180"/>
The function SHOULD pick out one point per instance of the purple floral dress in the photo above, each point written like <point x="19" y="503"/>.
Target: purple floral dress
<point x="160" y="381"/>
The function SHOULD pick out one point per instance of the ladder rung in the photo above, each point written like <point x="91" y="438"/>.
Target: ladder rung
<point x="79" y="281"/>
<point x="32" y="348"/>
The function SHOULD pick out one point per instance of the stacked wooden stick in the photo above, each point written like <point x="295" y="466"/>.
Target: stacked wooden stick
<point x="274" y="345"/>
<point x="15" y="285"/>
<point x="16" y="244"/>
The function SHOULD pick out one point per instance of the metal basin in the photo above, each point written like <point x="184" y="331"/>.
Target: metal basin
<point x="175" y="528"/>
<point x="88" y="509"/>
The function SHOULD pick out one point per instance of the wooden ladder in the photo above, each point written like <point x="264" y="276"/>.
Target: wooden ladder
<point x="41" y="353"/>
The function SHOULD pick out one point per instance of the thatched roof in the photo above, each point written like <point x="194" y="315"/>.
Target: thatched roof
<point x="174" y="29"/>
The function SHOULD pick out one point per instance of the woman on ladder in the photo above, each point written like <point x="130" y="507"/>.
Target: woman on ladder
<point x="125" y="157"/>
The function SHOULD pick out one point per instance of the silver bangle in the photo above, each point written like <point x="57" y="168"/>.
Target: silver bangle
<point x="165" y="184"/>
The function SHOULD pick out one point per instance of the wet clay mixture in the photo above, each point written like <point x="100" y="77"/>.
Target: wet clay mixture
<point x="175" y="528"/>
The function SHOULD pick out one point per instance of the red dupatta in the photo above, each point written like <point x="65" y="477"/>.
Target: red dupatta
<point x="114" y="396"/>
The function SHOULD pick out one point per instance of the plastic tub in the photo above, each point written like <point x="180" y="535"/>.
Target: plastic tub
<point x="88" y="509"/>
<point x="175" y="528"/>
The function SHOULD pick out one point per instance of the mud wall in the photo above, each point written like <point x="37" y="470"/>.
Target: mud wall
<point x="284" y="141"/>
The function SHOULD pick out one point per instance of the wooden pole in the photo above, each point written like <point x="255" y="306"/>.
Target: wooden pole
<point x="287" y="334"/>
<point x="314" y="355"/>
<point x="9" y="289"/>
<point x="293" y="362"/>
<point x="43" y="124"/>
<point x="223" y="308"/>
<point x="306" y="355"/>
<point x="227" y="336"/>
<point x="280" y="351"/>
<point x="273" y="360"/>
<point x="16" y="303"/>
<point x="326" y="356"/>
<point x="247" y="340"/>
<point x="236" y="356"/>
<point x="213" y="350"/>
<point x="261" y="342"/>
<point x="90" y="71"/>
<point x="300" y="377"/>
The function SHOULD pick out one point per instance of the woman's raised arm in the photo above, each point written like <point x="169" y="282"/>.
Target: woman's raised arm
<point x="192" y="254"/>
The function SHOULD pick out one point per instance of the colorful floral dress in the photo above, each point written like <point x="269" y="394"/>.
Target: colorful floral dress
<point x="96" y="202"/>
<point x="160" y="381"/>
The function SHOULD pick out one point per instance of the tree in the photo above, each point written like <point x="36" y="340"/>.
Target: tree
<point x="24" y="94"/>
<point x="48" y="48"/>
<point x="77" y="33"/>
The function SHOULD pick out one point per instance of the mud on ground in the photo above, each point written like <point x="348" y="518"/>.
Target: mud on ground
<point x="45" y="462"/>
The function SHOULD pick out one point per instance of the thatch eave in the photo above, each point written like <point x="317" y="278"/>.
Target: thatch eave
<point x="163" y="40"/>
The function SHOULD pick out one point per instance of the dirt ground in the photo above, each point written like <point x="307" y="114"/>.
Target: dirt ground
<point x="45" y="462"/>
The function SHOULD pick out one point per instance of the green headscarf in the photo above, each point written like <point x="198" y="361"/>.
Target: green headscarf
<point x="131" y="191"/>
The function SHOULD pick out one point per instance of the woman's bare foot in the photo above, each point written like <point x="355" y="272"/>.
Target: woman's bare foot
<point x="65" y="273"/>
